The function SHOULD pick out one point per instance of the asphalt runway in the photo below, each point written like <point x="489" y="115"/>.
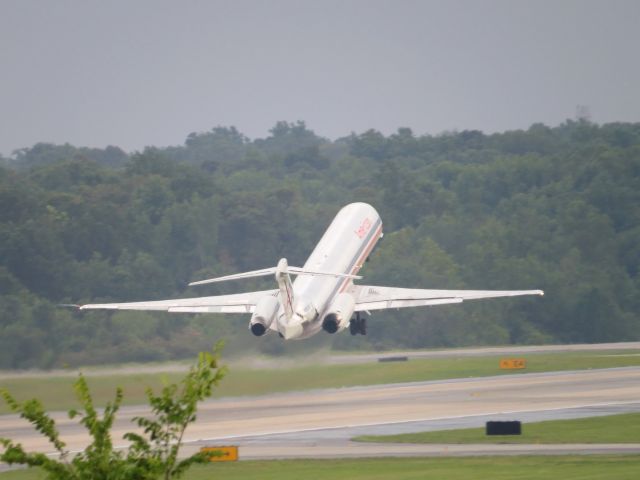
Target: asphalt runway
<point x="320" y="423"/>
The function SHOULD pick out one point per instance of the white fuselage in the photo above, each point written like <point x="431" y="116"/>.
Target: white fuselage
<point x="343" y="248"/>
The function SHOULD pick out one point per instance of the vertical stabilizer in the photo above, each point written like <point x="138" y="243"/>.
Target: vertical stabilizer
<point x="286" y="289"/>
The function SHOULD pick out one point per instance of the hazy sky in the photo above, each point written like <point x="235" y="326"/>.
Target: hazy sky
<point x="135" y="73"/>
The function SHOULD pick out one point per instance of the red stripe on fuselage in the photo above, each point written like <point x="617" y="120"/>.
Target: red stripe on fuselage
<point x="362" y="258"/>
<point x="289" y="294"/>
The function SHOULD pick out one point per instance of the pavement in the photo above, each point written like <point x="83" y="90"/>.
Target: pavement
<point x="320" y="423"/>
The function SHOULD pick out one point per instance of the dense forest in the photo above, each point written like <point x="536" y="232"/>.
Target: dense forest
<point x="550" y="208"/>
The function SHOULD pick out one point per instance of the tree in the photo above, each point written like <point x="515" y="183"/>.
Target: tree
<point x="151" y="455"/>
<point x="556" y="208"/>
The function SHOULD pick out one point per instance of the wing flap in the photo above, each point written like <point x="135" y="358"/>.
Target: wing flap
<point x="214" y="309"/>
<point x="403" y="303"/>
<point x="379" y="298"/>
<point x="236" y="303"/>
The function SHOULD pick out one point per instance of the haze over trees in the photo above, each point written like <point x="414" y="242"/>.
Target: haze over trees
<point x="551" y="208"/>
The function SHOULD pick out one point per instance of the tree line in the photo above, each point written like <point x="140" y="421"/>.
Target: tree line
<point x="556" y="208"/>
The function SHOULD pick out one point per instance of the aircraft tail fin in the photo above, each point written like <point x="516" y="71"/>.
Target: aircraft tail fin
<point x="286" y="289"/>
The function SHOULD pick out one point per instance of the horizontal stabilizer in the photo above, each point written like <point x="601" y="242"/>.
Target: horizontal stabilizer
<point x="272" y="271"/>
<point x="237" y="276"/>
<point x="302" y="271"/>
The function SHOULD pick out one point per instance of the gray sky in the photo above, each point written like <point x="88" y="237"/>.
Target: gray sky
<point x="135" y="73"/>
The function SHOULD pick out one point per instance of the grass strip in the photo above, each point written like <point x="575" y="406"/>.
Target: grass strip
<point x="57" y="392"/>
<point x="623" y="428"/>
<point x="570" y="467"/>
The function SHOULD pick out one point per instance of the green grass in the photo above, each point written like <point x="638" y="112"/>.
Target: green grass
<point x="57" y="392"/>
<point x="624" y="428"/>
<point x="576" y="467"/>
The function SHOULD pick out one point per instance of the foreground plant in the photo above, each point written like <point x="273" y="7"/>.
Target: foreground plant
<point x="150" y="455"/>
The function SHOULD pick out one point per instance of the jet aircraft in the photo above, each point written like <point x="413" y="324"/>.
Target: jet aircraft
<point x="324" y="295"/>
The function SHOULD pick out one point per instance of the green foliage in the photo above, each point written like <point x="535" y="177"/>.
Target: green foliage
<point x="174" y="409"/>
<point x="552" y="208"/>
<point x="153" y="454"/>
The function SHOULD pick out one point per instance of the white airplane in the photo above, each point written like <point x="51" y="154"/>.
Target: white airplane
<point x="323" y="296"/>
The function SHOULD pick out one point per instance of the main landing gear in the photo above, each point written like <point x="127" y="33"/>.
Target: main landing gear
<point x="358" y="325"/>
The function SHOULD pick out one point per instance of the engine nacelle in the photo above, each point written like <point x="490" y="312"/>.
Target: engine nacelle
<point x="339" y="313"/>
<point x="264" y="315"/>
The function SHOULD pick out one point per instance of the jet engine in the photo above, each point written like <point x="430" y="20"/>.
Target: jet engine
<point x="339" y="313"/>
<point x="264" y="315"/>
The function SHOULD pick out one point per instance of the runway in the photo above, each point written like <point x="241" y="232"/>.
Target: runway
<point x="320" y="423"/>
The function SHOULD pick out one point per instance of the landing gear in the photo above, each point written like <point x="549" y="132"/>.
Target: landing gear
<point x="358" y="325"/>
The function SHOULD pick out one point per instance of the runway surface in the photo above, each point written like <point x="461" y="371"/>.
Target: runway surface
<point x="320" y="423"/>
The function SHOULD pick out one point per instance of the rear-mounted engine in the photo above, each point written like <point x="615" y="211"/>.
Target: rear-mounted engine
<point x="264" y="315"/>
<point x="339" y="313"/>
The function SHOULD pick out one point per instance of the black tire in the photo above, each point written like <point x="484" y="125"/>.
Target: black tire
<point x="363" y="326"/>
<point x="353" y="327"/>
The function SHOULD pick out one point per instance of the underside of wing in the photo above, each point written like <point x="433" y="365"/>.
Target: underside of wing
<point x="378" y="298"/>
<point x="236" y="303"/>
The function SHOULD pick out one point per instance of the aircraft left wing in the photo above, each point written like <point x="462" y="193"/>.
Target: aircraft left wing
<point x="236" y="303"/>
<point x="378" y="298"/>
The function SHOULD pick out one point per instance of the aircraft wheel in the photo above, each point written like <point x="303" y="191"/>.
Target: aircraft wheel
<point x="363" y="326"/>
<point x="353" y="327"/>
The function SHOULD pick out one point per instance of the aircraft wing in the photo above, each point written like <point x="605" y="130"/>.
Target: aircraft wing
<point x="378" y="298"/>
<point x="236" y="303"/>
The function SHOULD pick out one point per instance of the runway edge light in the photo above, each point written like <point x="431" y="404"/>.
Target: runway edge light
<point x="222" y="454"/>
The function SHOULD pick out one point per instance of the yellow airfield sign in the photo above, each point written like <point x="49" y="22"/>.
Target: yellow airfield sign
<point x="513" y="363"/>
<point x="222" y="454"/>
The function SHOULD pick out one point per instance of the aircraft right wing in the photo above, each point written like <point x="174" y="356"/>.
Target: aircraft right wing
<point x="378" y="298"/>
<point x="236" y="303"/>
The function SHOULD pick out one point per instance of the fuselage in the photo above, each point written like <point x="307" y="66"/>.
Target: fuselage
<point x="343" y="248"/>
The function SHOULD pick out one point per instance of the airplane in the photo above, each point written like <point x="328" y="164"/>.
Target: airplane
<point x="324" y="295"/>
